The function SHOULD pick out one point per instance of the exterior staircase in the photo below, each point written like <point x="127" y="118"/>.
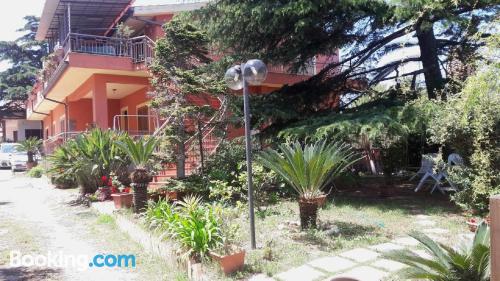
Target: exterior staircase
<point x="210" y="143"/>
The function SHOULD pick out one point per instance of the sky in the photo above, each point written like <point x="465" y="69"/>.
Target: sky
<point x="12" y="18"/>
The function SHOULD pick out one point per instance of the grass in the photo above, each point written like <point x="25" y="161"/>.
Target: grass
<point x="346" y="223"/>
<point x="148" y="267"/>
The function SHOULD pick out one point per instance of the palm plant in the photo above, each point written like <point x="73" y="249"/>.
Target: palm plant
<point x="139" y="152"/>
<point x="308" y="169"/>
<point x="467" y="263"/>
<point x="31" y="146"/>
<point x="89" y="157"/>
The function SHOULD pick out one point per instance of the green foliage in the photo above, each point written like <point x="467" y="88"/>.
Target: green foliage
<point x="36" y="172"/>
<point x="24" y="56"/>
<point x="139" y="151"/>
<point x="196" y="226"/>
<point x="309" y="168"/>
<point x="89" y="157"/>
<point x="295" y="31"/>
<point x="469" y="123"/>
<point x="470" y="262"/>
<point x="31" y="146"/>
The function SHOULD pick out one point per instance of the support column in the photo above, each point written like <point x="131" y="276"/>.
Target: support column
<point x="99" y="103"/>
<point x="495" y="237"/>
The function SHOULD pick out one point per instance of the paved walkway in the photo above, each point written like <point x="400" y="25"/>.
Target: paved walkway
<point x="35" y="219"/>
<point x="363" y="264"/>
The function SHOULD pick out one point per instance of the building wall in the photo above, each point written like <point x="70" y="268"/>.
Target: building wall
<point x="80" y="114"/>
<point x="20" y="126"/>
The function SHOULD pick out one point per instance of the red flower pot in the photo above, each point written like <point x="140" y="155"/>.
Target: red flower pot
<point x="230" y="263"/>
<point x="122" y="200"/>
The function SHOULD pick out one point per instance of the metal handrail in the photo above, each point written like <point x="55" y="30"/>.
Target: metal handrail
<point x="116" y="119"/>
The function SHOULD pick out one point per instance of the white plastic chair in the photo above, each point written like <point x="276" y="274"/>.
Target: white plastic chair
<point x="454" y="159"/>
<point x="425" y="165"/>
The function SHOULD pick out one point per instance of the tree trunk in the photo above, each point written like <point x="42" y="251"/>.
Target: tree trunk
<point x="181" y="150"/>
<point x="429" y="55"/>
<point x="140" y="196"/>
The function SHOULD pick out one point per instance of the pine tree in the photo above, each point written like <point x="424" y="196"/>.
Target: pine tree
<point x="24" y="56"/>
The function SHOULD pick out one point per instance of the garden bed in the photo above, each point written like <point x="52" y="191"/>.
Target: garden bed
<point x="347" y="223"/>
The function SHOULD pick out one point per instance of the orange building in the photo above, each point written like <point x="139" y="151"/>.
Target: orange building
<point x="96" y="79"/>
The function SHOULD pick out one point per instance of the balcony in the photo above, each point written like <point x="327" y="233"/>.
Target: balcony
<point x="140" y="50"/>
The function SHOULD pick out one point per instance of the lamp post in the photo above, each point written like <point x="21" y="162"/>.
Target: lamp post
<point x="238" y="77"/>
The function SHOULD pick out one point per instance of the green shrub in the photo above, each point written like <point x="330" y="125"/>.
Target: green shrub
<point x="88" y="157"/>
<point x="196" y="226"/>
<point x="469" y="123"/>
<point x="36" y="172"/>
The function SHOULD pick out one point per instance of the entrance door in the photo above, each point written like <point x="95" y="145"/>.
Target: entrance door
<point x="142" y="120"/>
<point x="124" y="120"/>
<point x="14" y="135"/>
<point x="33" y="133"/>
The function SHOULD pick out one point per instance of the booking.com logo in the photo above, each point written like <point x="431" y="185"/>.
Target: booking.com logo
<point x="81" y="262"/>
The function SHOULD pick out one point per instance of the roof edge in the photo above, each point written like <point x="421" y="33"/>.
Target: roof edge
<point x="49" y="10"/>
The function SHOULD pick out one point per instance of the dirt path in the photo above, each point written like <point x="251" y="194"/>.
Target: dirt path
<point x="36" y="219"/>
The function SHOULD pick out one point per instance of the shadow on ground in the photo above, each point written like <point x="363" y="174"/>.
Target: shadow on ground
<point x="29" y="273"/>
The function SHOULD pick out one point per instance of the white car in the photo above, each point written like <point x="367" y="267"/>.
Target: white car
<point x="18" y="160"/>
<point x="6" y="150"/>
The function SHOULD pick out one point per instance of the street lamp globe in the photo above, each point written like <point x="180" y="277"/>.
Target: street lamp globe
<point x="255" y="72"/>
<point x="233" y="78"/>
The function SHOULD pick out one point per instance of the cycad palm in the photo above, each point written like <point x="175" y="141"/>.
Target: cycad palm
<point x="308" y="169"/>
<point x="468" y="263"/>
<point x="31" y="146"/>
<point x="139" y="152"/>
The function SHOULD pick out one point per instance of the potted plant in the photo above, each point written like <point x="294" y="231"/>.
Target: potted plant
<point x="308" y="169"/>
<point x="103" y="192"/>
<point x="121" y="199"/>
<point x="229" y="255"/>
<point x="139" y="152"/>
<point x="31" y="146"/>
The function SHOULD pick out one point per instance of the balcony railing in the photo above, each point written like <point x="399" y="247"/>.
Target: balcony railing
<point x="139" y="49"/>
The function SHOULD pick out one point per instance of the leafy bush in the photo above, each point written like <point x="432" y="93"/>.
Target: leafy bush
<point x="36" y="172"/>
<point x="87" y="158"/>
<point x="469" y="123"/>
<point x="197" y="227"/>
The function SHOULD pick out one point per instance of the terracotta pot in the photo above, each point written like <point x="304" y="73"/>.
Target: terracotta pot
<point x="230" y="263"/>
<point x="122" y="200"/>
<point x="472" y="226"/>
<point x="308" y="209"/>
<point x="30" y="165"/>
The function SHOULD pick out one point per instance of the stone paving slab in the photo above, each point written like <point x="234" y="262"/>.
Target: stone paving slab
<point x="332" y="264"/>
<point x="388" y="265"/>
<point x="423" y="217"/>
<point x="301" y="273"/>
<point x="362" y="273"/>
<point x="360" y="255"/>
<point x="406" y="241"/>
<point x="260" y="277"/>
<point x="425" y="222"/>
<point x="386" y="247"/>
<point x="436" y="231"/>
